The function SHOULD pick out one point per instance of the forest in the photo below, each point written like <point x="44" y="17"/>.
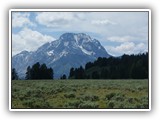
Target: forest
<point x="124" y="67"/>
<point x="37" y="71"/>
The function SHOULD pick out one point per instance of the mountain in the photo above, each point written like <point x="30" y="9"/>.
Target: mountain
<point x="70" y="50"/>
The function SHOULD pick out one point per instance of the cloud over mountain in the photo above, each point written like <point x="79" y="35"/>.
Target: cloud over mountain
<point x="29" y="40"/>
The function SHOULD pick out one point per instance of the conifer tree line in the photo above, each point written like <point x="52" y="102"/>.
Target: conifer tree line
<point x="124" y="67"/>
<point x="38" y="71"/>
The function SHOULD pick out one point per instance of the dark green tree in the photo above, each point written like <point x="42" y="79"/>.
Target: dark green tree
<point x="104" y="74"/>
<point x="79" y="73"/>
<point x="38" y="71"/>
<point x="88" y="65"/>
<point x="50" y="73"/>
<point x="95" y="75"/>
<point x="138" y="71"/>
<point x="72" y="73"/>
<point x="63" y="77"/>
<point x="28" y="73"/>
<point x="14" y="74"/>
<point x="35" y="72"/>
<point x="43" y="72"/>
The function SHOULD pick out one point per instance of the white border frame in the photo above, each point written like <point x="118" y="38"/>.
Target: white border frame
<point x="80" y="10"/>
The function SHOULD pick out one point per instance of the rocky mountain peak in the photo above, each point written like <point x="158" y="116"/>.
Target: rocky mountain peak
<point x="70" y="50"/>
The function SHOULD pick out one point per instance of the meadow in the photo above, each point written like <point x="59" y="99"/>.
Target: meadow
<point x="80" y="94"/>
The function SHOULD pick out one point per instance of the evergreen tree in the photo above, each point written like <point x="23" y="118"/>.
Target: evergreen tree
<point x="43" y="72"/>
<point x="35" y="72"/>
<point x="95" y="75"/>
<point x="81" y="73"/>
<point x="63" y="77"/>
<point x="72" y="73"/>
<point x="50" y="73"/>
<point x="88" y="65"/>
<point x="138" y="71"/>
<point x="38" y="71"/>
<point x="28" y="73"/>
<point x="14" y="74"/>
<point x="104" y="74"/>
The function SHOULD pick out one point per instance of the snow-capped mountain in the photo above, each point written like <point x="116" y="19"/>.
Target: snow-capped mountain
<point x="70" y="50"/>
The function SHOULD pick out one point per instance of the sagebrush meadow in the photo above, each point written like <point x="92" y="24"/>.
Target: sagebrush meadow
<point x="84" y="94"/>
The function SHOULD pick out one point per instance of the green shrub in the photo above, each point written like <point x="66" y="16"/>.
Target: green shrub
<point x="88" y="105"/>
<point x="111" y="104"/>
<point x="73" y="104"/>
<point x="119" y="97"/>
<point x="69" y="95"/>
<point x="110" y="96"/>
<point x="121" y="106"/>
<point x="36" y="103"/>
<point x="90" y="97"/>
<point x="131" y="100"/>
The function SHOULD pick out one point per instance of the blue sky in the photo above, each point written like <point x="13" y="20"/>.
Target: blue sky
<point x="119" y="32"/>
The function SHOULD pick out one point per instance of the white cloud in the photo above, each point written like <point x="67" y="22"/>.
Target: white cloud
<point x="120" y="39"/>
<point x="55" y="19"/>
<point x="29" y="40"/>
<point x="73" y="21"/>
<point x="127" y="48"/>
<point x="102" y="22"/>
<point x="21" y="19"/>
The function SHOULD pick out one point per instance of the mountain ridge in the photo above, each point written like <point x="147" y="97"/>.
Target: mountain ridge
<point x="70" y="50"/>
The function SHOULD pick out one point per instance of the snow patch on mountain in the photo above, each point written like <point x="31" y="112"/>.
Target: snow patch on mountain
<point x="63" y="53"/>
<point x="50" y="53"/>
<point x="86" y="52"/>
<point x="66" y="44"/>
